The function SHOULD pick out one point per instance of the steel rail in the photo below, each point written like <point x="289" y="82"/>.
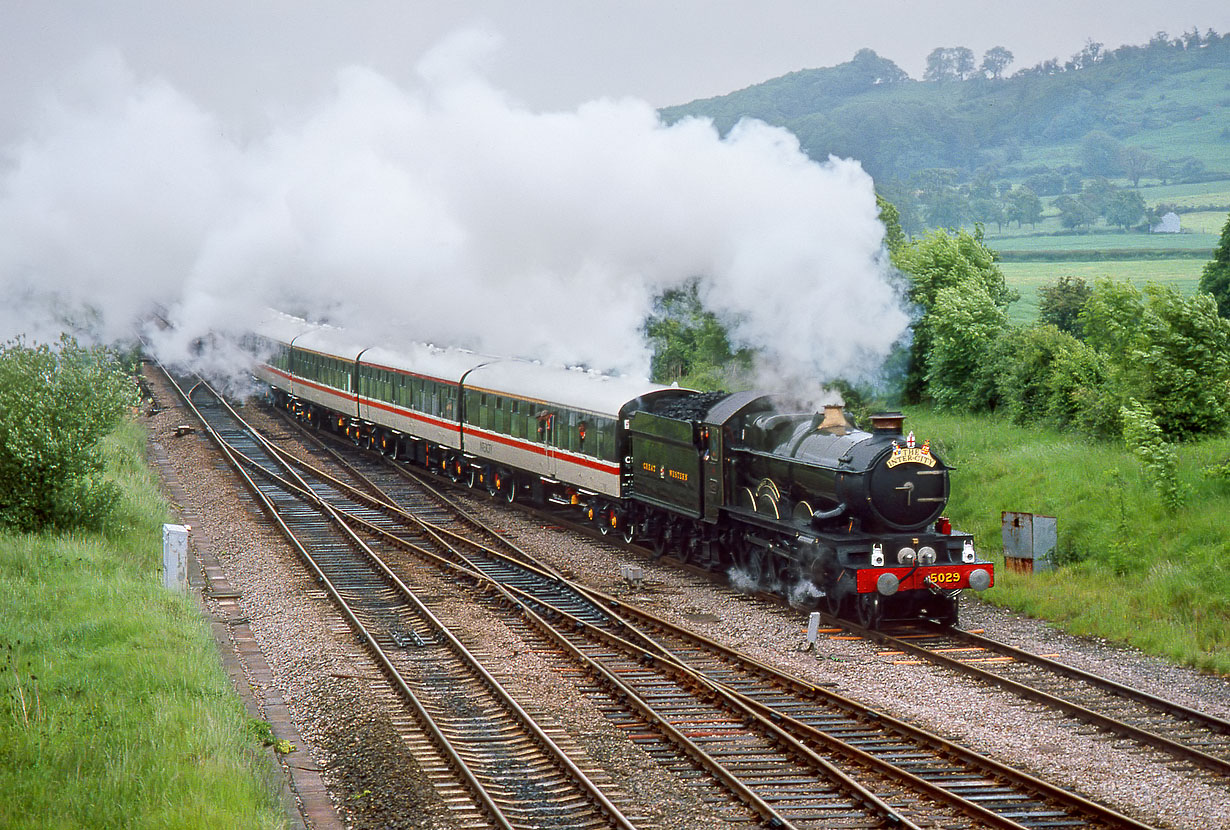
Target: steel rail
<point x="614" y="815"/>
<point x="1076" y="709"/>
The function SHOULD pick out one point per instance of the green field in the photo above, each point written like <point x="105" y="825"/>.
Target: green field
<point x="1027" y="277"/>
<point x="115" y="710"/>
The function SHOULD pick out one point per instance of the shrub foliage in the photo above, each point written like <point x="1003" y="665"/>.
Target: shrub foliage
<point x="1168" y="352"/>
<point x="56" y="404"/>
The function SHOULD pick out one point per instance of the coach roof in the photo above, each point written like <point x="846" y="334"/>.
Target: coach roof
<point x="572" y="388"/>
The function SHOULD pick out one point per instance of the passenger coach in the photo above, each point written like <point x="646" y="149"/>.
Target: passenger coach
<point x="483" y="420"/>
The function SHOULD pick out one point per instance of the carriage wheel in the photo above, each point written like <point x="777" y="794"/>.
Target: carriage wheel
<point x="493" y="483"/>
<point x="629" y="531"/>
<point x="510" y="489"/>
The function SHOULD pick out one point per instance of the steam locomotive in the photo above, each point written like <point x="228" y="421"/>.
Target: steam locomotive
<point x="803" y="504"/>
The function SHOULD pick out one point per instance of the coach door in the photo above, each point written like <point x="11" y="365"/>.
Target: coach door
<point x="546" y="434"/>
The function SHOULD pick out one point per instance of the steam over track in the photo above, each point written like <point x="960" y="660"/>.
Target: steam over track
<point x="755" y="744"/>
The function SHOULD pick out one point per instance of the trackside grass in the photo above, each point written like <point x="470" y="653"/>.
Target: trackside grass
<point x="1129" y="570"/>
<point x="114" y="708"/>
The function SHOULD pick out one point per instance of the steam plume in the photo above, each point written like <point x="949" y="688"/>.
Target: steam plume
<point x="445" y="213"/>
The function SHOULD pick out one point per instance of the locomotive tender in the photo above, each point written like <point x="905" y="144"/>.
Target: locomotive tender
<point x="804" y="504"/>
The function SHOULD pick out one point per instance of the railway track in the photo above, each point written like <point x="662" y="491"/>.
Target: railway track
<point x="991" y="793"/>
<point x="1192" y="737"/>
<point x="485" y="743"/>
<point x="740" y="761"/>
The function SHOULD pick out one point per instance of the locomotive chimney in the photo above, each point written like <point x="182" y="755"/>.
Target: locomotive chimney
<point x="887" y="422"/>
<point x="834" y="421"/>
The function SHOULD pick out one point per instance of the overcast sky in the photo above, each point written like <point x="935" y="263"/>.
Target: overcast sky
<point x="252" y="58"/>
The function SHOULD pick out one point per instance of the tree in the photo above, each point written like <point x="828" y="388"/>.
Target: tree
<point x="894" y="236"/>
<point x="1100" y="154"/>
<point x="875" y="70"/>
<point x="1060" y="304"/>
<point x="1125" y="209"/>
<point x="937" y="261"/>
<point x="963" y="61"/>
<point x="690" y="343"/>
<point x="962" y="327"/>
<point x="1136" y="162"/>
<point x="939" y="66"/>
<point x="985" y="211"/>
<point x="995" y="60"/>
<point x="56" y="405"/>
<point x="1087" y="57"/>
<point x="1023" y="364"/>
<point x="1215" y="278"/>
<point x="1073" y="213"/>
<point x="946" y="208"/>
<point x="1023" y="206"/>
<point x="949" y="64"/>
<point x="1098" y="193"/>
<point x="1170" y="352"/>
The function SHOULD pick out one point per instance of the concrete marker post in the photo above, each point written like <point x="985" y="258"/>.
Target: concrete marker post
<point x="813" y="629"/>
<point x="175" y="557"/>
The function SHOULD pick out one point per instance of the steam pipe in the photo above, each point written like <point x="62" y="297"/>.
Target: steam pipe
<point x="825" y="515"/>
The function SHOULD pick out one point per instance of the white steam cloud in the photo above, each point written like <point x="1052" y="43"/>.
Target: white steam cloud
<point x="445" y="213"/>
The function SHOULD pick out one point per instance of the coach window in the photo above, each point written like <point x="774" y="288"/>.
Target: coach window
<point x="604" y="439"/>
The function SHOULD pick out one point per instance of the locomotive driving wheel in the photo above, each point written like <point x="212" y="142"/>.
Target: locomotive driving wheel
<point x="870" y="610"/>
<point x="833" y="602"/>
<point x="756" y="563"/>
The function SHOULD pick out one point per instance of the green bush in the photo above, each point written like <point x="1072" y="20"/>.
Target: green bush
<point x="56" y="404"/>
<point x="1170" y="352"/>
<point x="962" y="329"/>
<point x="1145" y="440"/>
<point x="1077" y="393"/>
<point x="942" y="268"/>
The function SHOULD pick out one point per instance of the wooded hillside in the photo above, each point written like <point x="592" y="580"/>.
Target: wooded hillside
<point x="1157" y="113"/>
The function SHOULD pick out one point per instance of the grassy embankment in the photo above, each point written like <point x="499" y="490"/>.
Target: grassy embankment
<point x="115" y="710"/>
<point x="1131" y="570"/>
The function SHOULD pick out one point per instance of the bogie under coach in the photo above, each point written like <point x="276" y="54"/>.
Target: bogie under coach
<point x="804" y="504"/>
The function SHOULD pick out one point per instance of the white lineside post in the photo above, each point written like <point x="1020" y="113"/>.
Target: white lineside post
<point x="175" y="557"/>
<point x="813" y="628"/>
